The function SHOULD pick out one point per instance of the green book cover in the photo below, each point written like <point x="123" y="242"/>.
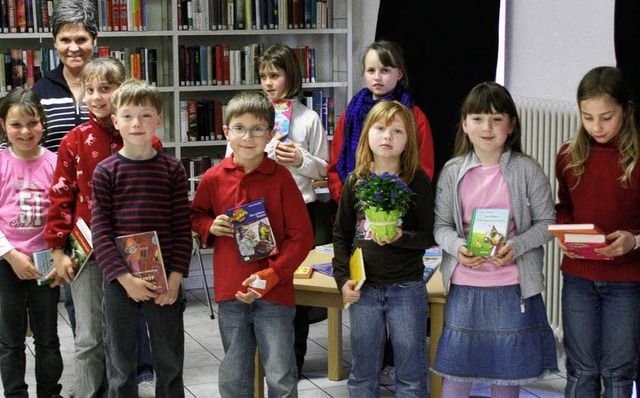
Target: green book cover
<point x="488" y="231"/>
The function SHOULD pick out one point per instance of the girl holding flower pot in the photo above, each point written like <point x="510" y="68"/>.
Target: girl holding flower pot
<point x="387" y="175"/>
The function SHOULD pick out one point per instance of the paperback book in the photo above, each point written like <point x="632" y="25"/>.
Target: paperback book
<point x="488" y="230"/>
<point x="356" y="271"/>
<point x="303" y="272"/>
<point x="324" y="268"/>
<point x="79" y="246"/>
<point x="141" y="252"/>
<point x="252" y="231"/>
<point x="283" y="118"/>
<point x="44" y="262"/>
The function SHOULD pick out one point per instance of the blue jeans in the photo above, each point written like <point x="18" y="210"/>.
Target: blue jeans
<point x="264" y="325"/>
<point x="166" y="332"/>
<point x="90" y="372"/>
<point x="16" y="298"/>
<point x="401" y="309"/>
<point x="601" y="325"/>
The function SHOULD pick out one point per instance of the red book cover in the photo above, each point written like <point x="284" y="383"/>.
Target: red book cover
<point x="136" y="72"/>
<point x="142" y="254"/>
<point x="124" y="17"/>
<point x="13" y="23"/>
<point x="252" y="231"/>
<point x="115" y="15"/>
<point x="44" y="11"/>
<point x="109" y="14"/>
<point x="296" y="14"/>
<point x="581" y="239"/>
<point x="31" y="78"/>
<point x="104" y="51"/>
<point x="218" y="122"/>
<point x="79" y="246"/>
<point x="226" y="63"/>
<point x="21" y="15"/>
<point x="307" y="71"/>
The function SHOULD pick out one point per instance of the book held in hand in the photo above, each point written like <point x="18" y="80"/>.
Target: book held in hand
<point x="488" y="231"/>
<point x="581" y="239"/>
<point x="356" y="271"/>
<point x="283" y="119"/>
<point x="44" y="262"/>
<point x="79" y="246"/>
<point x="252" y="231"/>
<point x="142" y="255"/>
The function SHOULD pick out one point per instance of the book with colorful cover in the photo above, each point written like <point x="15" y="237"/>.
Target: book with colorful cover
<point x="283" y="118"/>
<point x="581" y="239"/>
<point x="44" y="262"/>
<point x="431" y="259"/>
<point x="356" y="271"/>
<point x="324" y="268"/>
<point x="252" y="231"/>
<point x="141" y="252"/>
<point x="488" y="231"/>
<point x="79" y="246"/>
<point x="303" y="272"/>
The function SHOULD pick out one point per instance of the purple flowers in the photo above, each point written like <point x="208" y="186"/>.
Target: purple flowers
<point x="385" y="191"/>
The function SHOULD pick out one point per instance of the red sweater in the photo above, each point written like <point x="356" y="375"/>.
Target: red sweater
<point x="600" y="199"/>
<point x="79" y="153"/>
<point x="226" y="186"/>
<point x="425" y="149"/>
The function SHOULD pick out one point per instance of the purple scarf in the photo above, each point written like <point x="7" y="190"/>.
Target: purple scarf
<point x="357" y="110"/>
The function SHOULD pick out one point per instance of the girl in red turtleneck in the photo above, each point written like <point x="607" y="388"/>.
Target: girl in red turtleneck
<point x="599" y="182"/>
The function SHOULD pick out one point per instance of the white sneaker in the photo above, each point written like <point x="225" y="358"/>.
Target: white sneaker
<point x="147" y="389"/>
<point x="387" y="376"/>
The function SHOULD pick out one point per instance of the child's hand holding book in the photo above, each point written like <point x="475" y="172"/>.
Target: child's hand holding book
<point x="137" y="288"/>
<point x="259" y="284"/>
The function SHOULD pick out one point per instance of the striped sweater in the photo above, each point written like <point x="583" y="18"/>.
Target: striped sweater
<point x="63" y="113"/>
<point x="132" y="196"/>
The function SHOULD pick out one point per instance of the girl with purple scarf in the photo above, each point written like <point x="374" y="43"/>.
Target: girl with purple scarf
<point x="386" y="79"/>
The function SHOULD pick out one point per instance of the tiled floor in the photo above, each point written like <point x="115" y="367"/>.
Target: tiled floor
<point x="204" y="352"/>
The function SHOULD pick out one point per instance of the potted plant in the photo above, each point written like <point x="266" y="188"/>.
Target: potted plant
<point x="384" y="199"/>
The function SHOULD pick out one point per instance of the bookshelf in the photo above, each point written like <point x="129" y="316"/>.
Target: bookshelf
<point x="333" y="48"/>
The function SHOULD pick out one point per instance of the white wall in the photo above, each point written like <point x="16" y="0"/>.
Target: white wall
<point x="550" y="44"/>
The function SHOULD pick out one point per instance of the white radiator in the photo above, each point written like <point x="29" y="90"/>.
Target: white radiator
<point x="545" y="126"/>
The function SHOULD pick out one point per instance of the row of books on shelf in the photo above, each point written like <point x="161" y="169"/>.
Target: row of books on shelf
<point x="24" y="67"/>
<point x="218" y="64"/>
<point x="25" y="16"/>
<point x="202" y="119"/>
<point x="140" y="62"/>
<point x="254" y="14"/>
<point x="122" y="15"/>
<point x="195" y="167"/>
<point x="20" y="67"/>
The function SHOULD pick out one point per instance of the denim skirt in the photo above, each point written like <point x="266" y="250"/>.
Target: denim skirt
<point x="492" y="335"/>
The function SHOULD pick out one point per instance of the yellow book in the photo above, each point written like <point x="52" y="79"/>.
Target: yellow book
<point x="356" y="271"/>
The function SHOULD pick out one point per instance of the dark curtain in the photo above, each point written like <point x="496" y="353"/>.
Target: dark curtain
<point x="627" y="44"/>
<point x="449" y="47"/>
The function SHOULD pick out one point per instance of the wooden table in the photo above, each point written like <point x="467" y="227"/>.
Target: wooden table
<point x="321" y="291"/>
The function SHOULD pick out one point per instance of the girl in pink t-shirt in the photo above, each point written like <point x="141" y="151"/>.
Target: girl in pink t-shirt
<point x="26" y="173"/>
<point x="496" y="329"/>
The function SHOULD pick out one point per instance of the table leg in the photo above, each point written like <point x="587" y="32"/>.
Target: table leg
<point x="436" y="313"/>
<point x="334" y="321"/>
<point x="258" y="379"/>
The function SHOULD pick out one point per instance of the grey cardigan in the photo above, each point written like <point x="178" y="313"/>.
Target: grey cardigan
<point x="532" y="208"/>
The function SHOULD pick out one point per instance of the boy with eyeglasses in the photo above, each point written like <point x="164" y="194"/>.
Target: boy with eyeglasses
<point x="255" y="300"/>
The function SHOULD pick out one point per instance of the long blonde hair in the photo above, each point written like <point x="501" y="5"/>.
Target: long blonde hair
<point x="387" y="111"/>
<point x="600" y="81"/>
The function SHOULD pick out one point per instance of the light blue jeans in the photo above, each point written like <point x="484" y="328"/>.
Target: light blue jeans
<point x="264" y="325"/>
<point x="601" y="324"/>
<point x="90" y="371"/>
<point x="402" y="310"/>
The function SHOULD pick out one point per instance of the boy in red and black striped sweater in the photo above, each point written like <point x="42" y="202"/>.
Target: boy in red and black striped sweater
<point x="139" y="189"/>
